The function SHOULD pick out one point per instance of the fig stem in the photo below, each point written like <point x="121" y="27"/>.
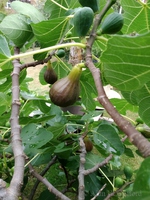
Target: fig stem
<point x="75" y="73"/>
<point x="47" y="49"/>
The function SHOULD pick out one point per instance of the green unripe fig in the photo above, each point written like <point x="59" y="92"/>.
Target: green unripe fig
<point x="60" y="53"/>
<point x="145" y="130"/>
<point x="139" y="120"/>
<point x="65" y="91"/>
<point x="83" y="20"/>
<point x="68" y="34"/>
<point x="118" y="182"/>
<point x="93" y="4"/>
<point x="128" y="172"/>
<point x="50" y="75"/>
<point x="88" y="144"/>
<point x="111" y="24"/>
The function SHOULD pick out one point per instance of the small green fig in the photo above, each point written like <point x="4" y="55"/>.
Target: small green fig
<point x="60" y="53"/>
<point x="65" y="91"/>
<point x="88" y="144"/>
<point x="128" y="172"/>
<point x="50" y="75"/>
<point x="118" y="182"/>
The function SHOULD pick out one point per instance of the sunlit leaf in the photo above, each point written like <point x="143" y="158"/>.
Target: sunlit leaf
<point x="48" y="33"/>
<point x="57" y="10"/>
<point x="4" y="48"/>
<point x="28" y="10"/>
<point x="16" y="28"/>
<point x="5" y="62"/>
<point x="126" y="61"/>
<point x="135" y="13"/>
<point x="123" y="106"/>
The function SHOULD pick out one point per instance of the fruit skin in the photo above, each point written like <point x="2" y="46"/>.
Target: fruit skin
<point x="93" y="4"/>
<point x="50" y="75"/>
<point x="88" y="144"/>
<point x="112" y="23"/>
<point x="128" y="172"/>
<point x="65" y="91"/>
<point x="83" y="20"/>
<point x="60" y="53"/>
<point x="118" y="182"/>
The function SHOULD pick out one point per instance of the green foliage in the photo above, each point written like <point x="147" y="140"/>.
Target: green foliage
<point x="48" y="130"/>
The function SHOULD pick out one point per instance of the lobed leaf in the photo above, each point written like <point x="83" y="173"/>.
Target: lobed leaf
<point x="136" y="16"/>
<point x="126" y="61"/>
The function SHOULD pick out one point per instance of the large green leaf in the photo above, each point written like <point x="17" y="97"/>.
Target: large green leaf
<point x="136" y="16"/>
<point x="126" y="61"/>
<point x="28" y="10"/>
<point x="141" y="186"/>
<point x="107" y="138"/>
<point x="48" y="33"/>
<point x="35" y="137"/>
<point x="16" y="28"/>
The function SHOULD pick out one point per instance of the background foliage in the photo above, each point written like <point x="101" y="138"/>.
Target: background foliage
<point x="47" y="131"/>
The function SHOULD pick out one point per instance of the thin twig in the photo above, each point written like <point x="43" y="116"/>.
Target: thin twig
<point x="42" y="174"/>
<point x="50" y="187"/>
<point x="99" y="192"/>
<point x="96" y="167"/>
<point x="118" y="190"/>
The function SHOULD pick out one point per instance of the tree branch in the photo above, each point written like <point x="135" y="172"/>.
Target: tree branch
<point x="81" y="188"/>
<point x="42" y="174"/>
<point x="135" y="137"/>
<point x="118" y="190"/>
<point x="50" y="187"/>
<point x="13" y="190"/>
<point x="96" y="167"/>
<point x="99" y="192"/>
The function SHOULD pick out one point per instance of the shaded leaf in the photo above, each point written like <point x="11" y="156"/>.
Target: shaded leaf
<point x="141" y="186"/>
<point x="107" y="138"/>
<point x="35" y="137"/>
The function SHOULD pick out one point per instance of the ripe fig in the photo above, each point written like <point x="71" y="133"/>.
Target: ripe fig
<point x="50" y="75"/>
<point x="65" y="91"/>
<point x="88" y="144"/>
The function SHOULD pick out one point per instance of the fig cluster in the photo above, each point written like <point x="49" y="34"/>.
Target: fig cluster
<point x="65" y="91"/>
